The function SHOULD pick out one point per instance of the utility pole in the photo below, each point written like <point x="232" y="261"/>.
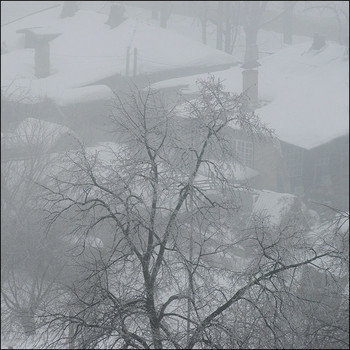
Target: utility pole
<point x="252" y="16"/>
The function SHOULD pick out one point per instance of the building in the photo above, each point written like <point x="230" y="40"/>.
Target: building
<point x="65" y="69"/>
<point x="303" y="92"/>
<point x="304" y="98"/>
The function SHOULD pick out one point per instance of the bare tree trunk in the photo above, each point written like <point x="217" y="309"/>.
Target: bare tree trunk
<point x="228" y="31"/>
<point x="71" y="333"/>
<point x="69" y="9"/>
<point x="155" y="10"/>
<point x="164" y="13"/>
<point x="204" y="31"/>
<point x="202" y="10"/>
<point x="219" y="26"/>
<point x="252" y="16"/>
<point x="288" y="7"/>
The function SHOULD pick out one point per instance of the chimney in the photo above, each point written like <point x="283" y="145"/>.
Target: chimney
<point x="69" y="9"/>
<point x="38" y="38"/>
<point x="251" y="57"/>
<point x="250" y="86"/>
<point x="42" y="59"/>
<point x="116" y="15"/>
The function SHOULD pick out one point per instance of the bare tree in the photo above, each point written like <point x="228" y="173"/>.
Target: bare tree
<point x="176" y="269"/>
<point x="30" y="261"/>
<point x="340" y="10"/>
<point x="252" y="16"/>
<point x="219" y="25"/>
<point x="288" y="7"/>
<point x="165" y="11"/>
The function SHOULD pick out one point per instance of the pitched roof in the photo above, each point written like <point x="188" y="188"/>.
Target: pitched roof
<point x="88" y="50"/>
<point x="305" y="92"/>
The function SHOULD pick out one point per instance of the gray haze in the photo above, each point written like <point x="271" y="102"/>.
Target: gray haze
<point x="174" y="174"/>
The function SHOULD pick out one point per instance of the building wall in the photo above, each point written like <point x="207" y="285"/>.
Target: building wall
<point x="322" y="173"/>
<point x="327" y="173"/>
<point x="267" y="160"/>
<point x="269" y="163"/>
<point x="294" y="160"/>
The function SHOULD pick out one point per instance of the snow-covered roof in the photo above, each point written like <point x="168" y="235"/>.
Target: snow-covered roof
<point x="273" y="205"/>
<point x="232" y="170"/>
<point x="35" y="131"/>
<point x="88" y="50"/>
<point x="307" y="92"/>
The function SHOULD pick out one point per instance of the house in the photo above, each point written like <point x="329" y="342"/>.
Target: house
<point x="303" y="92"/>
<point x="67" y="69"/>
<point x="314" y="129"/>
<point x="304" y="97"/>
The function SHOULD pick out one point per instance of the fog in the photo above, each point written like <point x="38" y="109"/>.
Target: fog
<point x="174" y="174"/>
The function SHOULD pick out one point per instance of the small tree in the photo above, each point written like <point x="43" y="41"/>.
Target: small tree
<point x="340" y="10"/>
<point x="31" y="262"/>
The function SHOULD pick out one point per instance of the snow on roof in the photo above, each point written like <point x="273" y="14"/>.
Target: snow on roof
<point x="231" y="170"/>
<point x="40" y="132"/>
<point x="307" y="92"/>
<point x="84" y="94"/>
<point x="88" y="51"/>
<point x="272" y="204"/>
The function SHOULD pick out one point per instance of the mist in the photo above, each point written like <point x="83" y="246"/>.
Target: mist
<point x="174" y="174"/>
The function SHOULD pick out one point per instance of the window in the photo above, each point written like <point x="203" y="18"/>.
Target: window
<point x="244" y="150"/>
<point x="294" y="161"/>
